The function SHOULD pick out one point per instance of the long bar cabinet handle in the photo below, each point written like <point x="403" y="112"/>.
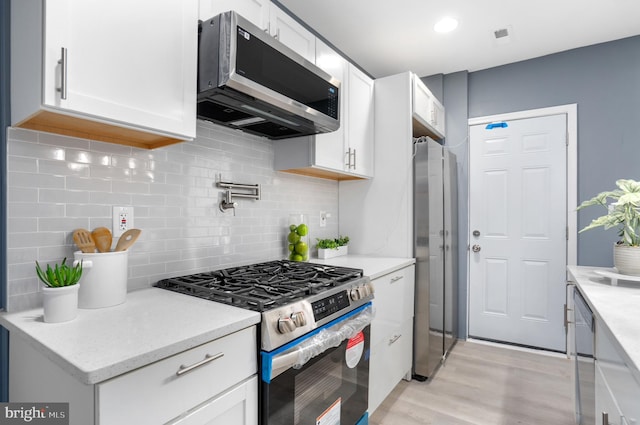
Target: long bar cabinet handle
<point x="63" y="73"/>
<point x="207" y="359"/>
<point x="605" y="418"/>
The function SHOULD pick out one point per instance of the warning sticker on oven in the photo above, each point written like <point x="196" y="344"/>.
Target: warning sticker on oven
<point x="355" y="348"/>
<point x="331" y="416"/>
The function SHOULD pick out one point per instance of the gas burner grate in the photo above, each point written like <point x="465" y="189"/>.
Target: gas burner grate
<point x="262" y="286"/>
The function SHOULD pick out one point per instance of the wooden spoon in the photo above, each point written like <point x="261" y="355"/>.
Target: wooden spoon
<point x="127" y="239"/>
<point x="102" y="238"/>
<point x="83" y="239"/>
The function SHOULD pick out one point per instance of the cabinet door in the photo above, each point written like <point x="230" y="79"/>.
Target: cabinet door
<point x="329" y="147"/>
<point x="360" y="121"/>
<point x="256" y="11"/>
<point x="238" y="406"/>
<point x="391" y="333"/>
<point x="123" y="63"/>
<point x="427" y="110"/>
<point x="607" y="410"/>
<point x="292" y="34"/>
<point x="437" y="116"/>
<point x="616" y="372"/>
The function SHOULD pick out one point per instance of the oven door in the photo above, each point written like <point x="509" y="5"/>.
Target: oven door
<point x="321" y="378"/>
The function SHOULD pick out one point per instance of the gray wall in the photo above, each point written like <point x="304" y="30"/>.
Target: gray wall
<point x="603" y="80"/>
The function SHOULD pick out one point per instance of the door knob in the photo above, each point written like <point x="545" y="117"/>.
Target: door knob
<point x="476" y="248"/>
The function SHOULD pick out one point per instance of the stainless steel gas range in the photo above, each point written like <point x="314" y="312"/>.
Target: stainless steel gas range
<point x="314" y="357"/>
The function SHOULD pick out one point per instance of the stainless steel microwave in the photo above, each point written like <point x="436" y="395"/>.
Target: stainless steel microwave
<point x="250" y="81"/>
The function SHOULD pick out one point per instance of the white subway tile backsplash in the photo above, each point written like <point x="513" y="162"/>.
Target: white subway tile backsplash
<point x="31" y="180"/>
<point x="22" y="224"/>
<point x="87" y="184"/>
<point x="60" y="183"/>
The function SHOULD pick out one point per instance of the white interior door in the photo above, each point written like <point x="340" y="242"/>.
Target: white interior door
<point x="518" y="225"/>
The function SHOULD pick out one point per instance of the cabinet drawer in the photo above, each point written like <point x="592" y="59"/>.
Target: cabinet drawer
<point x="127" y="398"/>
<point x="393" y="302"/>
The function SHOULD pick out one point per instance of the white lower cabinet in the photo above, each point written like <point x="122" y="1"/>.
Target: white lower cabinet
<point x="391" y="333"/>
<point x="607" y="410"/>
<point x="617" y="386"/>
<point x="214" y="383"/>
<point x="239" y="405"/>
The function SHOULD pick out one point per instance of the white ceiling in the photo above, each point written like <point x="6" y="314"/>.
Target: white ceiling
<point x="386" y="37"/>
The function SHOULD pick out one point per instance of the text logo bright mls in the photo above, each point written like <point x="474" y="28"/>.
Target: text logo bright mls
<point x="34" y="413"/>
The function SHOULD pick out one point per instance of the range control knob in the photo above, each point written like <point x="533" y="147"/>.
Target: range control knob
<point x="286" y="325"/>
<point x="298" y="318"/>
<point x="289" y="324"/>
<point x="357" y="293"/>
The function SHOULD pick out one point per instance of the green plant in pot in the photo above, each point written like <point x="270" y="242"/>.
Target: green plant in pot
<point x="328" y="248"/>
<point x="60" y="275"/>
<point x="60" y="293"/>
<point x="623" y="214"/>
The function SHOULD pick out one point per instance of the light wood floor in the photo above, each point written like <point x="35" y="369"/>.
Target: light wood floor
<point x="485" y="385"/>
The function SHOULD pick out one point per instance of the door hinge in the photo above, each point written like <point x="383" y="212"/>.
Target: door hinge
<point x="566" y="141"/>
<point x="567" y="232"/>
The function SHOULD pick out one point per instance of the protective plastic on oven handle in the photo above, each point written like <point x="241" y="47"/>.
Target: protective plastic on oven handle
<point x="298" y="355"/>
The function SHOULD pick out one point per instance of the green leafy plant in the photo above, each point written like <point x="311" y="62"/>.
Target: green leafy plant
<point x="332" y="243"/>
<point x="623" y="213"/>
<point x="60" y="275"/>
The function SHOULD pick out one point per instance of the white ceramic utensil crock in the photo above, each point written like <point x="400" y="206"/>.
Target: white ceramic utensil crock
<point x="104" y="278"/>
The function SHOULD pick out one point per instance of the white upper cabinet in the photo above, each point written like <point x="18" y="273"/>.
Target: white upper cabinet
<point x="113" y="70"/>
<point x="256" y="11"/>
<point x="329" y="147"/>
<point x="428" y="112"/>
<point x="270" y="18"/>
<point x="359" y="141"/>
<point x="292" y="34"/>
<point x="344" y="154"/>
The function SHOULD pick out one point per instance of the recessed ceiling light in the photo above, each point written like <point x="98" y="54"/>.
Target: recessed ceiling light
<point x="446" y="24"/>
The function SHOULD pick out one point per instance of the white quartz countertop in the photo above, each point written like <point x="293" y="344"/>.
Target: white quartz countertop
<point x="151" y="325"/>
<point x="374" y="267"/>
<point x="616" y="307"/>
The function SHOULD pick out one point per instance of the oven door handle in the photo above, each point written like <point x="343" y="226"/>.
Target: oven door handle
<point x="296" y="356"/>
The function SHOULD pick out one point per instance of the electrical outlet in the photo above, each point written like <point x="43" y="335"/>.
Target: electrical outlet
<point x="122" y="220"/>
<point x="323" y="219"/>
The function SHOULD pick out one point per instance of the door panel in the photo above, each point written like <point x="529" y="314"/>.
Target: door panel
<point x="517" y="204"/>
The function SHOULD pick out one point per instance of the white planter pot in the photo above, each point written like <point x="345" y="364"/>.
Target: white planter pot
<point x="627" y="259"/>
<point x="60" y="304"/>
<point x="325" y="253"/>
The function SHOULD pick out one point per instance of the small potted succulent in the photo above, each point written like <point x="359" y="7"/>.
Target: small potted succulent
<point x="624" y="215"/>
<point x="329" y="248"/>
<point x="60" y="293"/>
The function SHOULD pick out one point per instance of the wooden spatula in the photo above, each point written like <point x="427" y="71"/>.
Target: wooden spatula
<point x="102" y="238"/>
<point x="83" y="239"/>
<point x="127" y="239"/>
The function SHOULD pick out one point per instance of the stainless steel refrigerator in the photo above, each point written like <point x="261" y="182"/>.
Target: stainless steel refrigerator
<point x="435" y="250"/>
